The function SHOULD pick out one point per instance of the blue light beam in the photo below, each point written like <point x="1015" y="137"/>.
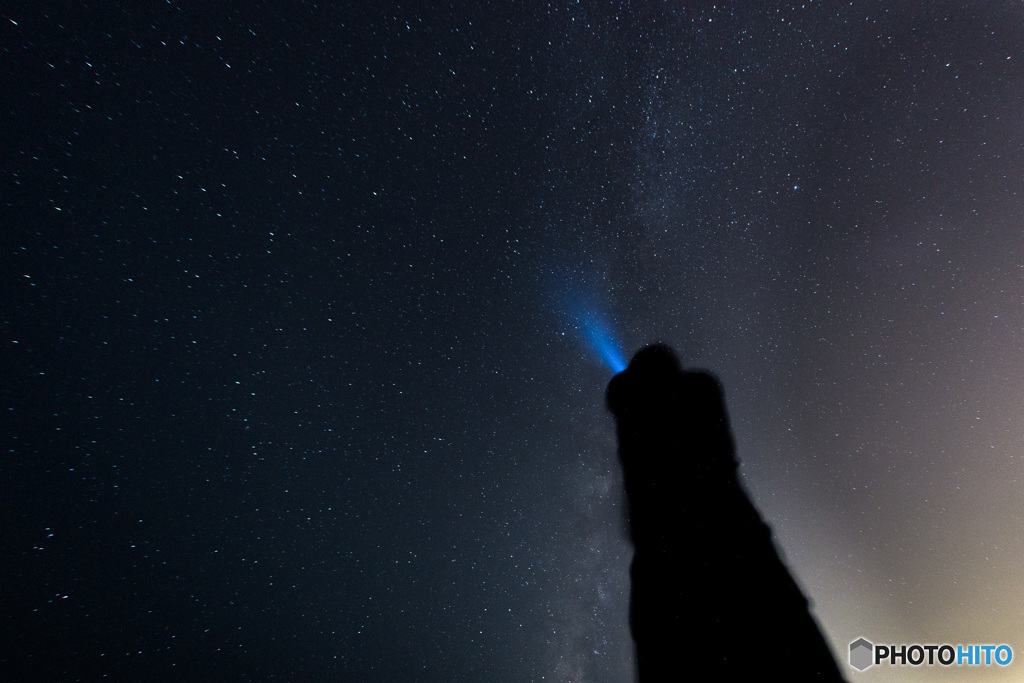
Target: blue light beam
<point x="600" y="340"/>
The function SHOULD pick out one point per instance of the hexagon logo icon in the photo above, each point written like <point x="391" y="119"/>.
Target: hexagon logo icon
<point x="861" y="654"/>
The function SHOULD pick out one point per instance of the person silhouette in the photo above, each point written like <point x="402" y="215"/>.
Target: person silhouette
<point x="710" y="597"/>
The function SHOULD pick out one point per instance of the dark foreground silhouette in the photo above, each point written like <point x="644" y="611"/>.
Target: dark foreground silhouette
<point x="711" y="599"/>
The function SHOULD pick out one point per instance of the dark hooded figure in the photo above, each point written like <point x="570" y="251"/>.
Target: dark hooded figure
<point x="711" y="599"/>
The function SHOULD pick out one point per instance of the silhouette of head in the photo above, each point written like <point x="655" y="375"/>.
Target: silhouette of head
<point x="652" y="376"/>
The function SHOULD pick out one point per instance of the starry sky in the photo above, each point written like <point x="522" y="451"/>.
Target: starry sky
<point x="301" y="307"/>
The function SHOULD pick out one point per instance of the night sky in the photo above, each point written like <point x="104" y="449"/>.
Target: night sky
<point x="301" y="305"/>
